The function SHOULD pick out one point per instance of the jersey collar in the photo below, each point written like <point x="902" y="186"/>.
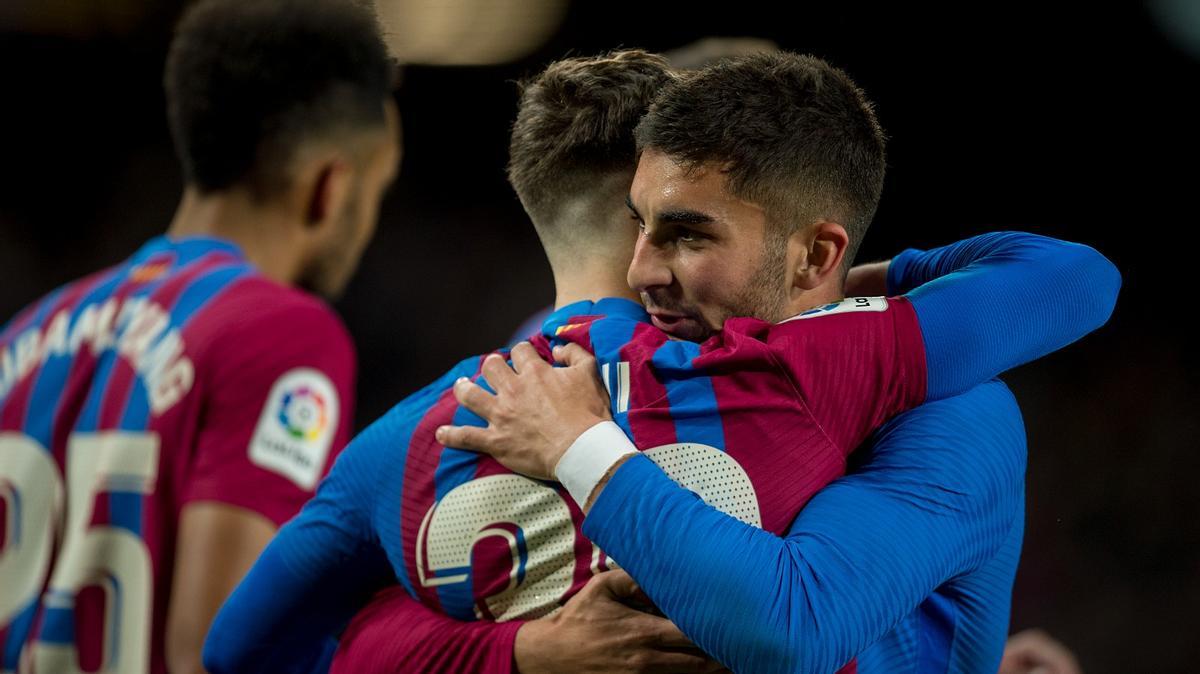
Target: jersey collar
<point x="609" y="306"/>
<point x="187" y="247"/>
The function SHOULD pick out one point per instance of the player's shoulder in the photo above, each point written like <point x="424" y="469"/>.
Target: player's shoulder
<point x="846" y="307"/>
<point x="257" y="305"/>
<point x="42" y="306"/>
<point x="397" y="423"/>
<point x="258" y="330"/>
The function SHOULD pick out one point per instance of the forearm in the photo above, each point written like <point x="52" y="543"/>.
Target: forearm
<point x="861" y="555"/>
<point x="744" y="595"/>
<point x="397" y="633"/>
<point x="216" y="547"/>
<point x="996" y="301"/>
<point x="284" y="614"/>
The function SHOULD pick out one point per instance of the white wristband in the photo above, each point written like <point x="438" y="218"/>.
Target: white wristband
<point x="588" y="459"/>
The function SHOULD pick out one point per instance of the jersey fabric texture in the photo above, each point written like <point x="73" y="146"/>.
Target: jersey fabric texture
<point x="474" y="541"/>
<point x="179" y="375"/>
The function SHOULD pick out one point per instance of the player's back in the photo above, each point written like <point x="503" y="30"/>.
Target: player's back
<point x="115" y="413"/>
<point x="725" y="419"/>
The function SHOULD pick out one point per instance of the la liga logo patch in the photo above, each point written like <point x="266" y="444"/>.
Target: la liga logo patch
<point x="303" y="413"/>
<point x="296" y="427"/>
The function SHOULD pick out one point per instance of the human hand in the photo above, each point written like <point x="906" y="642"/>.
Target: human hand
<point x="537" y="411"/>
<point x="597" y="632"/>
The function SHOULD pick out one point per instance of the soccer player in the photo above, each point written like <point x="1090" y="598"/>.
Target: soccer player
<point x="377" y="500"/>
<point x="161" y="418"/>
<point x="866" y="551"/>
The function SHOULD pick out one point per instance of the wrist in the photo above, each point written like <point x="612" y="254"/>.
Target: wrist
<point x="590" y="458"/>
<point x="531" y="636"/>
<point x="569" y="435"/>
<point x="591" y="500"/>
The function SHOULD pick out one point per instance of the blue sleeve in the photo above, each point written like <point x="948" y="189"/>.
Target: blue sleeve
<point x="323" y="565"/>
<point x="936" y="498"/>
<point x="309" y="581"/>
<point x="993" y="302"/>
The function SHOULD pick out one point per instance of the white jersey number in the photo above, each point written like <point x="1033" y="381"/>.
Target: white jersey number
<point x="539" y="578"/>
<point x="109" y="557"/>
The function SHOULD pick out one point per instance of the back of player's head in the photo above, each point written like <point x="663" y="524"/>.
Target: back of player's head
<point x="248" y="82"/>
<point x="791" y="133"/>
<point x="574" y="128"/>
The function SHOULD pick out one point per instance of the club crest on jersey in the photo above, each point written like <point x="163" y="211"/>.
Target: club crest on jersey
<point x="848" y="305"/>
<point x="296" y="428"/>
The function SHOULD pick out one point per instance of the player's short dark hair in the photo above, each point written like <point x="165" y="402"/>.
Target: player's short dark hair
<point x="575" y="124"/>
<point x="249" y="81"/>
<point x="792" y="133"/>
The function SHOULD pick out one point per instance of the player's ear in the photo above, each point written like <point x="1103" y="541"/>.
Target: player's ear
<point x="330" y="189"/>
<point x="815" y="254"/>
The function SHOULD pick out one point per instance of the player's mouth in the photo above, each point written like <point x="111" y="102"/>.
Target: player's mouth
<point x="679" y="326"/>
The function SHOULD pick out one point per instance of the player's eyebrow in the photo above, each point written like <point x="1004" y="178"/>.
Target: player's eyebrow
<point x="683" y="216"/>
<point x="675" y="216"/>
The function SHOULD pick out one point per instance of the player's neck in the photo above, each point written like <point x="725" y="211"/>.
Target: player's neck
<point x="261" y="232"/>
<point x="811" y="299"/>
<point x="592" y="285"/>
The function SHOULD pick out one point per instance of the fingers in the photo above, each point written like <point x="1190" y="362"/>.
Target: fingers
<point x="472" y="396"/>
<point x="572" y="354"/>
<point x="473" y="438"/>
<point x="525" y="358"/>
<point x="616" y="583"/>
<point x="497" y="372"/>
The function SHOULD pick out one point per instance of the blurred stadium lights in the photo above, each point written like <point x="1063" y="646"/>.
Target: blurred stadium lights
<point x="1179" y="20"/>
<point x="72" y="18"/>
<point x="467" y="32"/>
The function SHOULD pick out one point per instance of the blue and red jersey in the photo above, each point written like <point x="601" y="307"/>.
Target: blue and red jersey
<point x="741" y="419"/>
<point x="179" y="375"/>
<point x="755" y="421"/>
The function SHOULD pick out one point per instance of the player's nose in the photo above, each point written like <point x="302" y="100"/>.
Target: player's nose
<point x="649" y="268"/>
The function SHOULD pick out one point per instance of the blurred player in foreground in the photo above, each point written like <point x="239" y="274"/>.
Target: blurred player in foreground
<point x="161" y="418"/>
<point x="399" y="502"/>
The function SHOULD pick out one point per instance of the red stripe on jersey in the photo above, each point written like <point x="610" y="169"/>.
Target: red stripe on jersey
<point x="767" y="427"/>
<point x="120" y="382"/>
<point x="420" y="488"/>
<point x="650" y="418"/>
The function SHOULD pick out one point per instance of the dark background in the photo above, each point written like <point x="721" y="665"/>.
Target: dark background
<point x="1076" y="122"/>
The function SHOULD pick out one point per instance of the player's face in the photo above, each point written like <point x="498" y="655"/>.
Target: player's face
<point x="360" y="214"/>
<point x="704" y="254"/>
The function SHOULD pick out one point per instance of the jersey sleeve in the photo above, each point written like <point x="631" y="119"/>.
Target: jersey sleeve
<point x="315" y="573"/>
<point x="396" y="633"/>
<point x="936" y="498"/>
<point x="324" y="564"/>
<point x="855" y="364"/>
<point x="990" y="303"/>
<point x="277" y="407"/>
